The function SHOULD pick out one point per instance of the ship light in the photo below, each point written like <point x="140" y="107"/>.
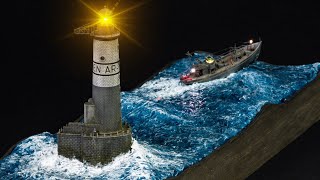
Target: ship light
<point x="251" y="41"/>
<point x="193" y="70"/>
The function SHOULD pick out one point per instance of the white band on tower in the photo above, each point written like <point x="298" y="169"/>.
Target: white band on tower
<point x="106" y="66"/>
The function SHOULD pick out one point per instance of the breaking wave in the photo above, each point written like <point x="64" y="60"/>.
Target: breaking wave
<point x="173" y="125"/>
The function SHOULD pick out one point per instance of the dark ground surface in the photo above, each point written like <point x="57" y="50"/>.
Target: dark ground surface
<point x="274" y="128"/>
<point x="300" y="159"/>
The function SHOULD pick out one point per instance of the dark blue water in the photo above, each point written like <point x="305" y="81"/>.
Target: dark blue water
<point x="174" y="125"/>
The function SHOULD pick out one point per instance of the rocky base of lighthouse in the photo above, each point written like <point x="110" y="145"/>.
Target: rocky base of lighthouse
<point x="86" y="143"/>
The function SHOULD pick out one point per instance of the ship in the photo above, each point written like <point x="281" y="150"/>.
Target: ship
<point x="220" y="65"/>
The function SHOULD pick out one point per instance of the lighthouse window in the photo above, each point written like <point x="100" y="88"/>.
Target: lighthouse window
<point x="102" y="58"/>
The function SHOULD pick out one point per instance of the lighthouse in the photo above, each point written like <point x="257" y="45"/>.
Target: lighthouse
<point x="100" y="135"/>
<point x="106" y="75"/>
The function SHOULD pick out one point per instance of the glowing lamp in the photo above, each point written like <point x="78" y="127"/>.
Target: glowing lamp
<point x="251" y="41"/>
<point x="105" y="17"/>
<point x="193" y="70"/>
<point x="106" y="21"/>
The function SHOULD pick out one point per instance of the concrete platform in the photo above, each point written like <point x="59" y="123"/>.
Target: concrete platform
<point x="274" y="128"/>
<point x="87" y="142"/>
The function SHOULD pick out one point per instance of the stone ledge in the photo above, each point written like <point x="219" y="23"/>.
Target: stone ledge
<point x="87" y="129"/>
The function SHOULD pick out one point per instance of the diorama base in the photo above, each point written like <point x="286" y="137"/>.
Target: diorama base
<point x="273" y="129"/>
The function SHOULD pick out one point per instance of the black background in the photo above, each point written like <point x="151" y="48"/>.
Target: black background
<point x="46" y="71"/>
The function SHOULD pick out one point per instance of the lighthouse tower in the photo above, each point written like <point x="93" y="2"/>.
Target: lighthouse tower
<point x="106" y="75"/>
<point x="100" y="135"/>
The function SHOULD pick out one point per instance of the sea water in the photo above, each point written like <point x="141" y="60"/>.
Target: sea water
<point x="173" y="125"/>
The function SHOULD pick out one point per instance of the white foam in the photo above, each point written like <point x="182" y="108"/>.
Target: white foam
<point x="163" y="88"/>
<point x="45" y="163"/>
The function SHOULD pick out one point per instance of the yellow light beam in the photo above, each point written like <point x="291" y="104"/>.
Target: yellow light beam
<point x="69" y="35"/>
<point x="91" y="24"/>
<point x="128" y="36"/>
<point x="109" y="19"/>
<point x="131" y="8"/>
<point x="89" y="7"/>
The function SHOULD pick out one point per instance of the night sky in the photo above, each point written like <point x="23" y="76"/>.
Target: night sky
<point x="46" y="70"/>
